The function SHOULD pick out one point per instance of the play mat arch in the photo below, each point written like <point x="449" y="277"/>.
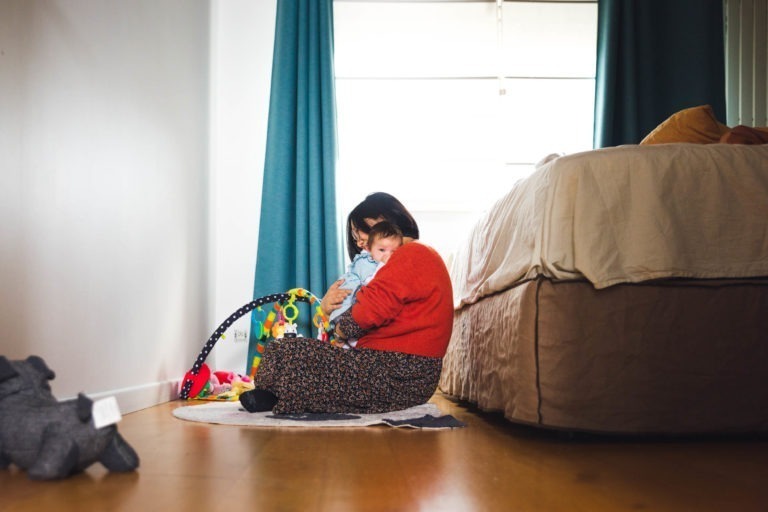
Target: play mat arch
<point x="278" y="322"/>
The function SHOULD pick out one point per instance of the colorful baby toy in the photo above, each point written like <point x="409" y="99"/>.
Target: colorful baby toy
<point x="201" y="383"/>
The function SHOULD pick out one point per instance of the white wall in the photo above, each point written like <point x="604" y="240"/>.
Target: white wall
<point x="241" y="57"/>
<point x="104" y="191"/>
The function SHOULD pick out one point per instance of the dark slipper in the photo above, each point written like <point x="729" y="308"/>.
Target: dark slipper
<point x="258" y="400"/>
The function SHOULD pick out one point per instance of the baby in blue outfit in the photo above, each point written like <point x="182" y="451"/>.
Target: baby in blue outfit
<point x="383" y="239"/>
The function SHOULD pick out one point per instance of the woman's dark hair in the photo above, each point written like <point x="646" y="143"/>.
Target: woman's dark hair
<point x="386" y="206"/>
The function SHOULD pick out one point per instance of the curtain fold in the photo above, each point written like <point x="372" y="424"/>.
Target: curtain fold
<point x="655" y="57"/>
<point x="299" y="242"/>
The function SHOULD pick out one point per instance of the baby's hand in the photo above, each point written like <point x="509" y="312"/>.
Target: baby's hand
<point x="334" y="297"/>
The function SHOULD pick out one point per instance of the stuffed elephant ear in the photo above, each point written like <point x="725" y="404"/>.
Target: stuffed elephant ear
<point x="7" y="370"/>
<point x="83" y="407"/>
<point x="38" y="364"/>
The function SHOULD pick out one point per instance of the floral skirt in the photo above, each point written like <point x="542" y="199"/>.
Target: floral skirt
<point x="309" y="375"/>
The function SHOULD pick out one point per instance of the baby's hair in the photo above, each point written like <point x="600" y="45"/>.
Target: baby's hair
<point x="378" y="205"/>
<point x="383" y="229"/>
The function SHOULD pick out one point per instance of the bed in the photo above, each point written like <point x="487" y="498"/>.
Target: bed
<point x="621" y="290"/>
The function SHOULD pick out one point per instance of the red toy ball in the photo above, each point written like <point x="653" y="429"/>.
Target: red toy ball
<point x="198" y="381"/>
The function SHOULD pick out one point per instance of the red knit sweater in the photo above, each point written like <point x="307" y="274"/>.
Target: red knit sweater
<point x="408" y="306"/>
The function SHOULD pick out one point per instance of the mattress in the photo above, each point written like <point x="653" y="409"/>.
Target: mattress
<point x="671" y="357"/>
<point x="627" y="214"/>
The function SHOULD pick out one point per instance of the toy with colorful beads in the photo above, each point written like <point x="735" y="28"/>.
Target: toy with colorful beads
<point x="284" y="309"/>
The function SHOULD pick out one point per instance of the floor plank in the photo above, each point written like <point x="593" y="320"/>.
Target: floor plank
<point x="490" y="465"/>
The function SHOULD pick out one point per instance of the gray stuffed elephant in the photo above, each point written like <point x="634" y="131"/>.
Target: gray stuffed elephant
<point x="51" y="439"/>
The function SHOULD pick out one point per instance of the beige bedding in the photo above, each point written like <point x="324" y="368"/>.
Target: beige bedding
<point x="674" y="357"/>
<point x="624" y="215"/>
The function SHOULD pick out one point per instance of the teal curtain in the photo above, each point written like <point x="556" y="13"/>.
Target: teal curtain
<point x="655" y="57"/>
<point x="299" y="237"/>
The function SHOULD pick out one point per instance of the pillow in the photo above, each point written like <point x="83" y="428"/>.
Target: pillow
<point x="696" y="124"/>
<point x="745" y="135"/>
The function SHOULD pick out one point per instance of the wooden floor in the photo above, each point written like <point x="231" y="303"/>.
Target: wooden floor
<point x="490" y="465"/>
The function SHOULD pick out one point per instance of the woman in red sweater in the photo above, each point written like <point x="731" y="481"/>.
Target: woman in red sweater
<point x="402" y="320"/>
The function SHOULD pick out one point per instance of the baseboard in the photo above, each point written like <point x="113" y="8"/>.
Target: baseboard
<point x="140" y="397"/>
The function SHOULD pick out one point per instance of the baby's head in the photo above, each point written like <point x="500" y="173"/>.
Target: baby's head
<point x="383" y="239"/>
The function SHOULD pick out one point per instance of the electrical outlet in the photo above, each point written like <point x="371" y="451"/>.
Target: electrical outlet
<point x="241" y="335"/>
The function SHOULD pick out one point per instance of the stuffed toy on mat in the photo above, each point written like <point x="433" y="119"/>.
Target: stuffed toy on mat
<point x="48" y="438"/>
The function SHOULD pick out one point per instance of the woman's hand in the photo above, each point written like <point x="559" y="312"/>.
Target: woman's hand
<point x="334" y="297"/>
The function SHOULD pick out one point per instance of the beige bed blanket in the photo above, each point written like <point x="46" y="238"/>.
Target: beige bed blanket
<point x="624" y="215"/>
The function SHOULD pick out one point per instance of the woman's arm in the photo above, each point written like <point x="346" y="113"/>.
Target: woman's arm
<point x="346" y="327"/>
<point x="334" y="297"/>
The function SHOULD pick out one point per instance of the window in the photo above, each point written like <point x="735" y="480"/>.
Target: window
<point x="446" y="104"/>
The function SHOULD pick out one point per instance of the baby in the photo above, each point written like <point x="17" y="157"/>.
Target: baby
<point x="383" y="239"/>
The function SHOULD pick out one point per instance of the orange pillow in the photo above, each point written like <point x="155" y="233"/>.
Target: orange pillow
<point x="696" y="124"/>
<point x="745" y="135"/>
